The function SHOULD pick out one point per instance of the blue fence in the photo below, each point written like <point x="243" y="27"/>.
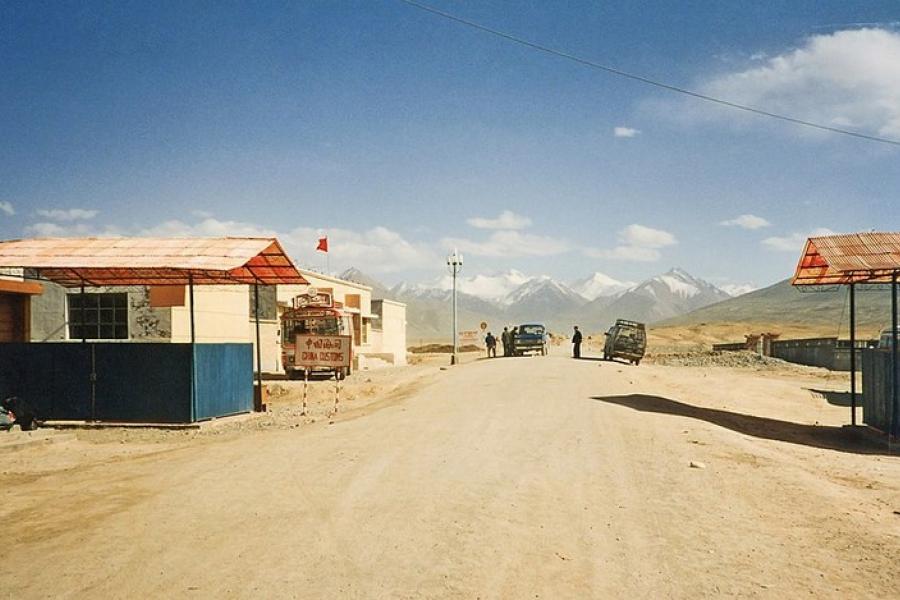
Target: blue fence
<point x="150" y="383"/>
<point x="224" y="380"/>
<point x="877" y="389"/>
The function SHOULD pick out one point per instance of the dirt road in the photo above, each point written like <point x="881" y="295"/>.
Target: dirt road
<point x="510" y="478"/>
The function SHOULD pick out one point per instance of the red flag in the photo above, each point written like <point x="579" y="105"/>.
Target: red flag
<point x="323" y="244"/>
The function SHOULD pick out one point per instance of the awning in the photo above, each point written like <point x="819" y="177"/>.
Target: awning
<point x="72" y="262"/>
<point x="852" y="258"/>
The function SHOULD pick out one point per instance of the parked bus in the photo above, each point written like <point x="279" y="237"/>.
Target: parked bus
<point x="313" y="313"/>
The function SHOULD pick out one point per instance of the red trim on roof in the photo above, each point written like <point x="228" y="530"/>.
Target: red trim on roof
<point x="852" y="258"/>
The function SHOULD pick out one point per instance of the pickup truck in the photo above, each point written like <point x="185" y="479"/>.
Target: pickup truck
<point x="626" y="339"/>
<point x="530" y="337"/>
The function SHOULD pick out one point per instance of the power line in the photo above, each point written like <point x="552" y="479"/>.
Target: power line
<point x="645" y="80"/>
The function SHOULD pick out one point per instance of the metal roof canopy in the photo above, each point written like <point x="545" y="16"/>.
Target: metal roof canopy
<point x="847" y="259"/>
<point x="852" y="259"/>
<point x="74" y="262"/>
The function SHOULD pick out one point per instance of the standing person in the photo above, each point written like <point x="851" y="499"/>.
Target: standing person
<point x="491" y="342"/>
<point x="576" y="343"/>
<point x="512" y="341"/>
<point x="504" y="339"/>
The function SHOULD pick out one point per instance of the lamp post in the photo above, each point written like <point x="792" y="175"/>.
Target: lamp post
<point x="454" y="263"/>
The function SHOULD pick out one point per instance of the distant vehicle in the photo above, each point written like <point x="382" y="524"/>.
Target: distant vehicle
<point x="531" y="337"/>
<point x="885" y="339"/>
<point x="626" y="339"/>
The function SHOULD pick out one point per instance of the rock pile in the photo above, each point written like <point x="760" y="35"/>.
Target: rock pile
<point x="738" y="360"/>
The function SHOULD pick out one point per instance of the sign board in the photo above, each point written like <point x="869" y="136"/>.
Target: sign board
<point x="314" y="298"/>
<point x="472" y="337"/>
<point x="328" y="351"/>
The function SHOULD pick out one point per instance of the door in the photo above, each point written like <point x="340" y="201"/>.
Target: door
<point x="13" y="317"/>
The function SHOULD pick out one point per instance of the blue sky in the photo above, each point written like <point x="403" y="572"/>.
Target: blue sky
<point x="402" y="134"/>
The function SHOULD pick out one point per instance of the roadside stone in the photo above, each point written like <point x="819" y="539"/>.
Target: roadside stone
<point x="697" y="465"/>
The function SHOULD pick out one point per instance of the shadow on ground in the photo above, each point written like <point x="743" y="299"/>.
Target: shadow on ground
<point x="836" y="398"/>
<point x="843" y="439"/>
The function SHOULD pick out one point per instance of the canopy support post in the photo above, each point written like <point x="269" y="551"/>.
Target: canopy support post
<point x="193" y="348"/>
<point x="895" y="371"/>
<point x="83" y="320"/>
<point x="259" y="392"/>
<point x="853" y="354"/>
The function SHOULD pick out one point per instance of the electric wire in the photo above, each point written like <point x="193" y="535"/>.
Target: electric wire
<point x="645" y="80"/>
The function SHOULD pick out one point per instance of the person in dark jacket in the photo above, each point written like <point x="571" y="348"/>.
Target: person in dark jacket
<point x="512" y="341"/>
<point x="576" y="343"/>
<point x="19" y="412"/>
<point x="491" y="342"/>
<point x="504" y="339"/>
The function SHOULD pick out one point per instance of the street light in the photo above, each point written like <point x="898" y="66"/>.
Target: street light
<point x="454" y="263"/>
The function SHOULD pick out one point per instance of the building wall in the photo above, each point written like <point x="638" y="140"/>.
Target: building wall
<point x="220" y="315"/>
<point x="390" y="337"/>
<point x="225" y="314"/>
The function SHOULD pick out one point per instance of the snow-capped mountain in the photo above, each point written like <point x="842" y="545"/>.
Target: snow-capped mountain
<point x="738" y="289"/>
<point x="673" y="293"/>
<point x="493" y="288"/>
<point x="379" y="290"/>
<point x="598" y="285"/>
<point x="540" y="298"/>
<point x="513" y="297"/>
<point x="543" y="287"/>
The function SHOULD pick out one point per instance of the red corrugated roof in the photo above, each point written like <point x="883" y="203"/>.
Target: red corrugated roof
<point x="153" y="261"/>
<point x="851" y="258"/>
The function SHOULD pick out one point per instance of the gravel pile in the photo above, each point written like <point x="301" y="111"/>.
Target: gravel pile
<point x="738" y="360"/>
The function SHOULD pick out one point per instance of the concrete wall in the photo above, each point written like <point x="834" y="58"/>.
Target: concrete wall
<point x="829" y="353"/>
<point x="49" y="314"/>
<point x="815" y="352"/>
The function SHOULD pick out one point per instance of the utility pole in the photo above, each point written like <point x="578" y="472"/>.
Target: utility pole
<point x="455" y="262"/>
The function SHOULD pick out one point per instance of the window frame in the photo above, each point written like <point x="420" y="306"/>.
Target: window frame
<point x="106" y="316"/>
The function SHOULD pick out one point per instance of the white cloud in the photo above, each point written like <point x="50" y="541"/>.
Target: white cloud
<point x="506" y="220"/>
<point x="509" y="244"/>
<point x="647" y="237"/>
<point x="746" y="222"/>
<point x="7" y="208"/>
<point x="48" y="229"/>
<point x="625" y="132"/>
<point x="848" y="79"/>
<point x="67" y="214"/>
<point x="375" y="250"/>
<point x="637" y="243"/>
<point x="793" y="242"/>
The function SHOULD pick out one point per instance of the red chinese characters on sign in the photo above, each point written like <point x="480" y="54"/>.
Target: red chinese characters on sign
<point x="329" y="351"/>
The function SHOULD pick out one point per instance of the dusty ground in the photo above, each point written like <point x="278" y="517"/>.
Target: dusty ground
<point x="509" y="478"/>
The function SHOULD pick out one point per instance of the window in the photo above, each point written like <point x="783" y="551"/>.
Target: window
<point x="100" y="317"/>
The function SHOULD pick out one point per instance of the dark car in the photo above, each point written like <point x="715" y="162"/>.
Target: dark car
<point x="626" y="339"/>
<point x="531" y="337"/>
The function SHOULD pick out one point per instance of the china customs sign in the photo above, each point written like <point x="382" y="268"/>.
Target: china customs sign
<point x="329" y="351"/>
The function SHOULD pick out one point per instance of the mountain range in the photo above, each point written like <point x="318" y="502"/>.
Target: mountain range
<point x="779" y="307"/>
<point x="509" y="298"/>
